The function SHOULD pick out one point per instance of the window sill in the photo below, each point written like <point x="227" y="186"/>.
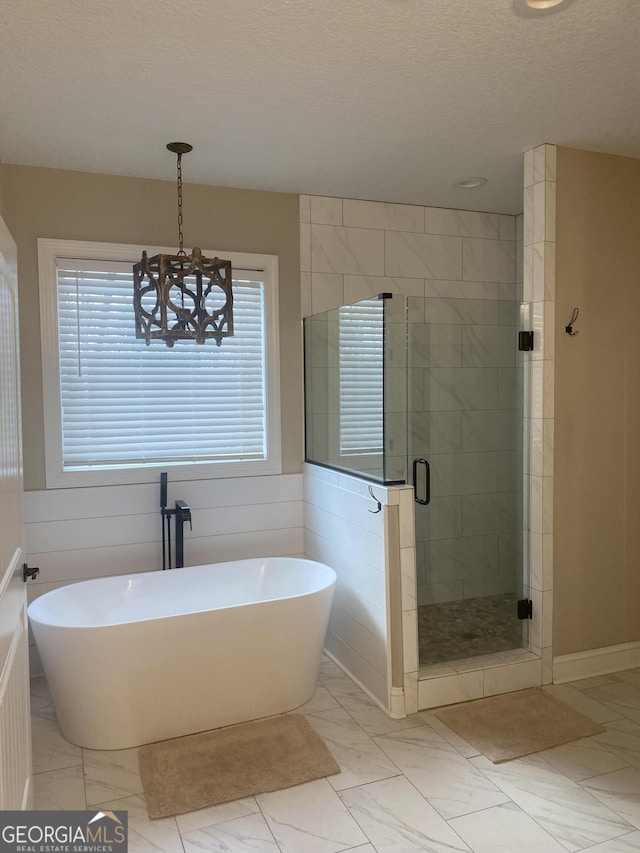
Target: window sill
<point x="151" y="473"/>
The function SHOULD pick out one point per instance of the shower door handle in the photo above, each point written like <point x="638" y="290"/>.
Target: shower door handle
<point x="427" y="481"/>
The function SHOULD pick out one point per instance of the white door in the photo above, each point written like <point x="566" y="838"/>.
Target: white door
<point x="15" y="730"/>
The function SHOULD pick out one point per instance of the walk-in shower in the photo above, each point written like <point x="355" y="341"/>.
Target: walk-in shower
<point x="429" y="391"/>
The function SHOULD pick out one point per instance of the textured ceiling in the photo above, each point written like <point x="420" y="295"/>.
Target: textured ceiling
<point x="383" y="99"/>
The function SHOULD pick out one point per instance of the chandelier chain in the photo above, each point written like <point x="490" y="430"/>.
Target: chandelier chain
<point x="180" y="234"/>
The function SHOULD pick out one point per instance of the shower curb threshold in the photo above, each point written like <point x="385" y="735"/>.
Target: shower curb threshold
<point x="456" y="667"/>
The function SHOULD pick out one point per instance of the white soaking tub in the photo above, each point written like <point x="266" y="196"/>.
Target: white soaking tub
<point x="144" y="657"/>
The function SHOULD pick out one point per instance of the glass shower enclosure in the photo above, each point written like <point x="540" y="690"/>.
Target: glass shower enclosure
<point x="429" y="391"/>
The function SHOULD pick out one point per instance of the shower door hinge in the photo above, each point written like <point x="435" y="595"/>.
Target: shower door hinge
<point x="525" y="341"/>
<point x="525" y="608"/>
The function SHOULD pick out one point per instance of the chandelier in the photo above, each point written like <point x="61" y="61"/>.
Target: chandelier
<point x="182" y="297"/>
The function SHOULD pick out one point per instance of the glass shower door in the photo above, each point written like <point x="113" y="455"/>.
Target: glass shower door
<point x="464" y="418"/>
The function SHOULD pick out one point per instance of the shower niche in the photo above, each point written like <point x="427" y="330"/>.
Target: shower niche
<point x="429" y="391"/>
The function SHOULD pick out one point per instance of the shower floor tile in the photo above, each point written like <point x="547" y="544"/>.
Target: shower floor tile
<point x="455" y="630"/>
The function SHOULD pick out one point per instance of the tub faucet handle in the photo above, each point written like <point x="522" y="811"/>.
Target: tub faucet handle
<point x="183" y="513"/>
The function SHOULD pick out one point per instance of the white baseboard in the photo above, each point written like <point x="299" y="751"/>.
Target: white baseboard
<point x="360" y="685"/>
<point x="595" y="662"/>
<point x="396" y="704"/>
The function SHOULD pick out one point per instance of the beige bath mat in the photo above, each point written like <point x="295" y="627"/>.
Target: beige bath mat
<point x="201" y="770"/>
<point x="516" y="724"/>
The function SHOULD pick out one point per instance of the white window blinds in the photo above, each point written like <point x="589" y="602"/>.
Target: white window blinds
<point x="125" y="404"/>
<point x="361" y="343"/>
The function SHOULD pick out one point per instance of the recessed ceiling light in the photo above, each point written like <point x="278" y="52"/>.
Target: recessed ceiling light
<point x="538" y="8"/>
<point x="543" y="4"/>
<point x="471" y="183"/>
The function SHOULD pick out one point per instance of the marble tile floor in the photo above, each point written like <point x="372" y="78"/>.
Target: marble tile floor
<point x="406" y="785"/>
<point x="453" y="630"/>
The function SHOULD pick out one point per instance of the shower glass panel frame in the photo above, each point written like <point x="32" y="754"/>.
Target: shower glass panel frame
<point x="347" y="390"/>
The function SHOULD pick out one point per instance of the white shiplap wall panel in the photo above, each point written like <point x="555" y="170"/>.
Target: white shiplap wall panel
<point x="346" y="535"/>
<point x="239" y="491"/>
<point x="244" y="519"/>
<point x="354" y="572"/>
<point x="103" y="501"/>
<point x="76" y="564"/>
<point x="367" y="613"/>
<point x="94" y="502"/>
<point x="88" y="533"/>
<point x="347" y="503"/>
<point x="285" y="542"/>
<point x="358" y="667"/>
<point x="61" y="567"/>
<point x="366" y="643"/>
<point x="340" y="531"/>
<point x="99" y="533"/>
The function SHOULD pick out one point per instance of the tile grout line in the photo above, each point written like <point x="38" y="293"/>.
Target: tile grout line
<point x="572" y="783"/>
<point x="576" y="784"/>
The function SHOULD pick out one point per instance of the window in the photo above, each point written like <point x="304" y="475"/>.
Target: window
<point x="117" y="411"/>
<point x="361" y="366"/>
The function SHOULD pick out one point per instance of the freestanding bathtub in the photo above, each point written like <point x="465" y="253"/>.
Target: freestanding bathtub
<point x="144" y="657"/>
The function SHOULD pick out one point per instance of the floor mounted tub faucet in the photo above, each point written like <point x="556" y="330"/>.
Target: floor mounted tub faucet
<point x="182" y="515"/>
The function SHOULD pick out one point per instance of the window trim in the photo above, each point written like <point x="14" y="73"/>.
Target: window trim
<point x="49" y="250"/>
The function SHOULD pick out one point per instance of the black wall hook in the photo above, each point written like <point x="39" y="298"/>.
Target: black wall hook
<point x="569" y="328"/>
<point x="374" y="511"/>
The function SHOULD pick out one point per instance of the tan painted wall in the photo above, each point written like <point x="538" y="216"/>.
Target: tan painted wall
<point x="81" y="206"/>
<point x="597" y="403"/>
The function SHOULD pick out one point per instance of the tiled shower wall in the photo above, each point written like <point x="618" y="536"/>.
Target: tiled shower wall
<point x="462" y="368"/>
